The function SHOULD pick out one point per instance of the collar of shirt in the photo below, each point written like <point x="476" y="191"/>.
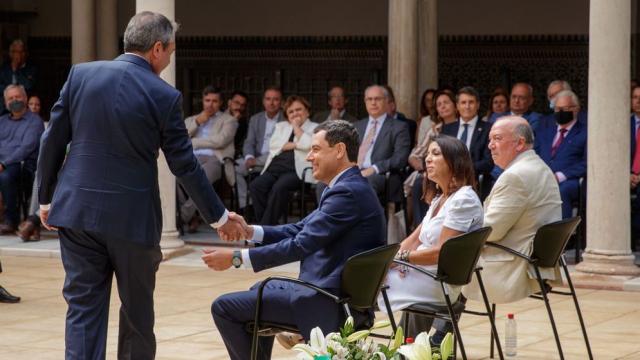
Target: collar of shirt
<point x="271" y="119"/>
<point x="138" y="55"/>
<point x="472" y="123"/>
<point x="335" y="178"/>
<point x="379" y="119"/>
<point x="568" y="126"/>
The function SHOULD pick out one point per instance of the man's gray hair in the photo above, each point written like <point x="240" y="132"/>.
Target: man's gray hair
<point x="563" y="83"/>
<point x="570" y="94"/>
<point x="524" y="131"/>
<point x="527" y="85"/>
<point x="145" y="29"/>
<point x="14" y="86"/>
<point x="18" y="42"/>
<point x="385" y="92"/>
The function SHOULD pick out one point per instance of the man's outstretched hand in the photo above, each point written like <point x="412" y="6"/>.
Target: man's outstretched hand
<point x="236" y="228"/>
<point x="218" y="260"/>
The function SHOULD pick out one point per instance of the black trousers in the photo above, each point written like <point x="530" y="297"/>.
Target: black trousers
<point x="270" y="195"/>
<point x="90" y="260"/>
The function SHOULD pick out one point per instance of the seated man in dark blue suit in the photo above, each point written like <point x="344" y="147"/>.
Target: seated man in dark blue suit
<point x="349" y="220"/>
<point x="562" y="144"/>
<point x="520" y="101"/>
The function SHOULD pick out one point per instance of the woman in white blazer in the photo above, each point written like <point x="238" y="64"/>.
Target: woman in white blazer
<point x="283" y="170"/>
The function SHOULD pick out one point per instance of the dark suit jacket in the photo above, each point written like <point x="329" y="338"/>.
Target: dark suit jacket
<point x="255" y="134"/>
<point x="571" y="156"/>
<point x="348" y="220"/>
<point x="116" y="115"/>
<point x="322" y="116"/>
<point x="392" y="146"/>
<point x="480" y="153"/>
<point x="411" y="124"/>
<point x="633" y="138"/>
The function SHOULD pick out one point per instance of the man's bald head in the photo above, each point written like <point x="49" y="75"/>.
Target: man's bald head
<point x="509" y="136"/>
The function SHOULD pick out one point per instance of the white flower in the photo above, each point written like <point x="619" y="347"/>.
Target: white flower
<point x="317" y="345"/>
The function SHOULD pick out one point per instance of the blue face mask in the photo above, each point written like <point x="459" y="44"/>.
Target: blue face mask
<point x="552" y="105"/>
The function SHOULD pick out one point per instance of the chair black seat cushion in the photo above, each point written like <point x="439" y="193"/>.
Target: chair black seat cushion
<point x="428" y="308"/>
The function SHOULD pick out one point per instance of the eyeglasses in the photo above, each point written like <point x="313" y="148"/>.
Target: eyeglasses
<point x="374" y="99"/>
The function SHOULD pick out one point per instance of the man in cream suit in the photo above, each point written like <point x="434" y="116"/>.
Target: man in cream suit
<point x="524" y="198"/>
<point x="212" y="133"/>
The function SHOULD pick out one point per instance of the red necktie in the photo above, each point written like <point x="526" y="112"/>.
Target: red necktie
<point x="636" y="157"/>
<point x="367" y="143"/>
<point x="555" y="146"/>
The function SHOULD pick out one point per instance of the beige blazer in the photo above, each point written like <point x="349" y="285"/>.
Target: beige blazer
<point x="220" y="139"/>
<point x="524" y="198"/>
<point x="281" y="135"/>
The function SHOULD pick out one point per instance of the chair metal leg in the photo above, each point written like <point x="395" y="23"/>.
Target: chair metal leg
<point x="256" y="323"/>
<point x="546" y="303"/>
<point x="493" y="316"/>
<point x="575" y="302"/>
<point x="454" y="320"/>
<point x="491" y="313"/>
<point x="385" y="297"/>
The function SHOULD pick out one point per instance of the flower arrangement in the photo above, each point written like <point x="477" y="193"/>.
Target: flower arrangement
<point x="350" y="344"/>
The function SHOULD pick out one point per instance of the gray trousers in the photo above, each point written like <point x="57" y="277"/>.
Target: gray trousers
<point x="241" y="174"/>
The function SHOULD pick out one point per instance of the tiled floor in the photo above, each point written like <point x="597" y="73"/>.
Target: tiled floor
<point x="34" y="328"/>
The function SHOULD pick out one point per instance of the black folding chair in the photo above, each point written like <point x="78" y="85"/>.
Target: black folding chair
<point x="548" y="248"/>
<point x="456" y="265"/>
<point x="362" y="277"/>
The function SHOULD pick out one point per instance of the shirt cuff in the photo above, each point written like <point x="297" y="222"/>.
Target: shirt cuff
<point x="376" y="169"/>
<point x="560" y="176"/>
<point x="258" y="233"/>
<point x="45" y="207"/>
<point x="249" y="156"/>
<point x="223" y="220"/>
<point x="246" y="259"/>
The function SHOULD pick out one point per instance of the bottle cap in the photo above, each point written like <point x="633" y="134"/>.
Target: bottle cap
<point x="409" y="340"/>
<point x="510" y="316"/>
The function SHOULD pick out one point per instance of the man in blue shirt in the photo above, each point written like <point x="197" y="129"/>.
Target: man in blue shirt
<point x="20" y="132"/>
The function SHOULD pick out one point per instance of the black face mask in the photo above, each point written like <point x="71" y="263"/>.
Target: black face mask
<point x="17" y="106"/>
<point x="563" y="117"/>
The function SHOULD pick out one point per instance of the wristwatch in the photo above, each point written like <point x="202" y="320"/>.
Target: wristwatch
<point x="236" y="260"/>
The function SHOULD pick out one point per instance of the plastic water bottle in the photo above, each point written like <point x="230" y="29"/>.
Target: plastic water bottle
<point x="510" y="336"/>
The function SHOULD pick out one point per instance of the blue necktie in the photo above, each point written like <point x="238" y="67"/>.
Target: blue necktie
<point x="465" y="134"/>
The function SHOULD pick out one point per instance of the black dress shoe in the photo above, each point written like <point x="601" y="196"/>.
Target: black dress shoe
<point x="5" y="297"/>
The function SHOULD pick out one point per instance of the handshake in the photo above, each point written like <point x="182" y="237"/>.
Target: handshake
<point x="235" y="229"/>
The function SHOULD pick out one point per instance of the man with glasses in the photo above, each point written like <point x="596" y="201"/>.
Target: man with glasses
<point x="384" y="144"/>
<point x="337" y="107"/>
<point x="562" y="144"/>
<point x="520" y="102"/>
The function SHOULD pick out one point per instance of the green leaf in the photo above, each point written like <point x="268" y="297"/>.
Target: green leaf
<point x="380" y="324"/>
<point x="357" y="336"/>
<point x="399" y="339"/>
<point x="446" y="347"/>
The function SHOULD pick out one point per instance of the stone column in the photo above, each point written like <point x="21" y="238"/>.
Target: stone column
<point x="403" y="54"/>
<point x="107" y="29"/>
<point x="608" y="209"/>
<point x="427" y="45"/>
<point x="83" y="28"/>
<point x="167" y="182"/>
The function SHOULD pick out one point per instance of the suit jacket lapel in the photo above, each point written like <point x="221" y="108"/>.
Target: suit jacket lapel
<point x="575" y="130"/>
<point x="384" y="131"/>
<point x="479" y="130"/>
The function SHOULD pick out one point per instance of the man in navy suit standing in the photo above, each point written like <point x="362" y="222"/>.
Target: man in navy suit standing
<point x="349" y="220"/>
<point x="562" y="144"/>
<point x="103" y="196"/>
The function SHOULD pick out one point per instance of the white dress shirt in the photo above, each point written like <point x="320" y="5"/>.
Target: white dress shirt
<point x="471" y="128"/>
<point x="367" y="158"/>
